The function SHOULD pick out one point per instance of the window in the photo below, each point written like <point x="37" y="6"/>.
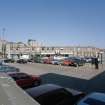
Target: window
<point x="48" y="48"/>
<point x="43" y="48"/>
<point x="52" y="48"/>
<point x="91" y="101"/>
<point x="24" y="76"/>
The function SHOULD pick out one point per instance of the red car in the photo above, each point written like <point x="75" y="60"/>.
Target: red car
<point x="68" y="62"/>
<point x="25" y="80"/>
<point x="47" y="61"/>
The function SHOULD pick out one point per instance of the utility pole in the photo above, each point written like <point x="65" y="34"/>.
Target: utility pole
<point x="3" y="42"/>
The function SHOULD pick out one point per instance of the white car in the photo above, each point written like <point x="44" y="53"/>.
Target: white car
<point x="95" y="98"/>
<point x="55" y="62"/>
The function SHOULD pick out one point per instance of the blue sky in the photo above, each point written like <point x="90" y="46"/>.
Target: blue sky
<point x="54" y="22"/>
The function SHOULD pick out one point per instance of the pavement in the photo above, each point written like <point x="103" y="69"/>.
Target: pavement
<point x="85" y="78"/>
<point x="83" y="72"/>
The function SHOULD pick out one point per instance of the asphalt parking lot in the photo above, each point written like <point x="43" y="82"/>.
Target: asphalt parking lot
<point x="84" y="78"/>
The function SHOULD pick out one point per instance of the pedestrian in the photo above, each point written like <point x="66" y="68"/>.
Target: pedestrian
<point x="96" y="63"/>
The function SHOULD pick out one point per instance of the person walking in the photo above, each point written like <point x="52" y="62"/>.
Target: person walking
<point x="96" y="63"/>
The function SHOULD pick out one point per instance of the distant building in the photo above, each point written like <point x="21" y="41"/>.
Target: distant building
<point x="70" y="50"/>
<point x="32" y="43"/>
<point x="18" y="50"/>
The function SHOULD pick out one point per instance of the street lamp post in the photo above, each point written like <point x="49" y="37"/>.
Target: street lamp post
<point x="101" y="57"/>
<point x="3" y="43"/>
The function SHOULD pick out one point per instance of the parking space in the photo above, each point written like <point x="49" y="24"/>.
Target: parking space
<point x="83" y="78"/>
<point x="84" y="72"/>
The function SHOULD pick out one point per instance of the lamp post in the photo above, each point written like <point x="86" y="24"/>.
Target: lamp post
<point x="101" y="57"/>
<point x="3" y="43"/>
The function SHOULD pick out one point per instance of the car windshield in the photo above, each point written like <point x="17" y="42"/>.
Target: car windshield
<point x="92" y="101"/>
<point x="19" y="76"/>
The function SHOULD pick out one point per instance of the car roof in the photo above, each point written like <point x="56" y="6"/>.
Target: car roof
<point x="42" y="89"/>
<point x="6" y="68"/>
<point x="17" y="74"/>
<point x="94" y="98"/>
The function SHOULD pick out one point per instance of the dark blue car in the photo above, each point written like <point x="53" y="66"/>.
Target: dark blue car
<point x="5" y="69"/>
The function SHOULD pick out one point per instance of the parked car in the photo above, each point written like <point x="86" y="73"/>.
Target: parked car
<point x="37" y="58"/>
<point x="22" y="61"/>
<point x="30" y="60"/>
<point x="68" y="62"/>
<point x="50" y="94"/>
<point x="88" y="59"/>
<point x="78" y="61"/>
<point x="5" y="69"/>
<point x="73" y="61"/>
<point x="25" y="80"/>
<point x="9" y="60"/>
<point x="94" y="98"/>
<point x="11" y="94"/>
<point x="55" y="62"/>
<point x="47" y="61"/>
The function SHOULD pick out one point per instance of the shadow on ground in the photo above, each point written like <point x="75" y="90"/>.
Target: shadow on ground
<point x="95" y="84"/>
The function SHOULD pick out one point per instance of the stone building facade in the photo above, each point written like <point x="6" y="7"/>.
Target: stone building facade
<point x="32" y="47"/>
<point x="71" y="50"/>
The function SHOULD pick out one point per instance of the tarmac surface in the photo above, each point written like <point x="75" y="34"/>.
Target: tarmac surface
<point x="85" y="78"/>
